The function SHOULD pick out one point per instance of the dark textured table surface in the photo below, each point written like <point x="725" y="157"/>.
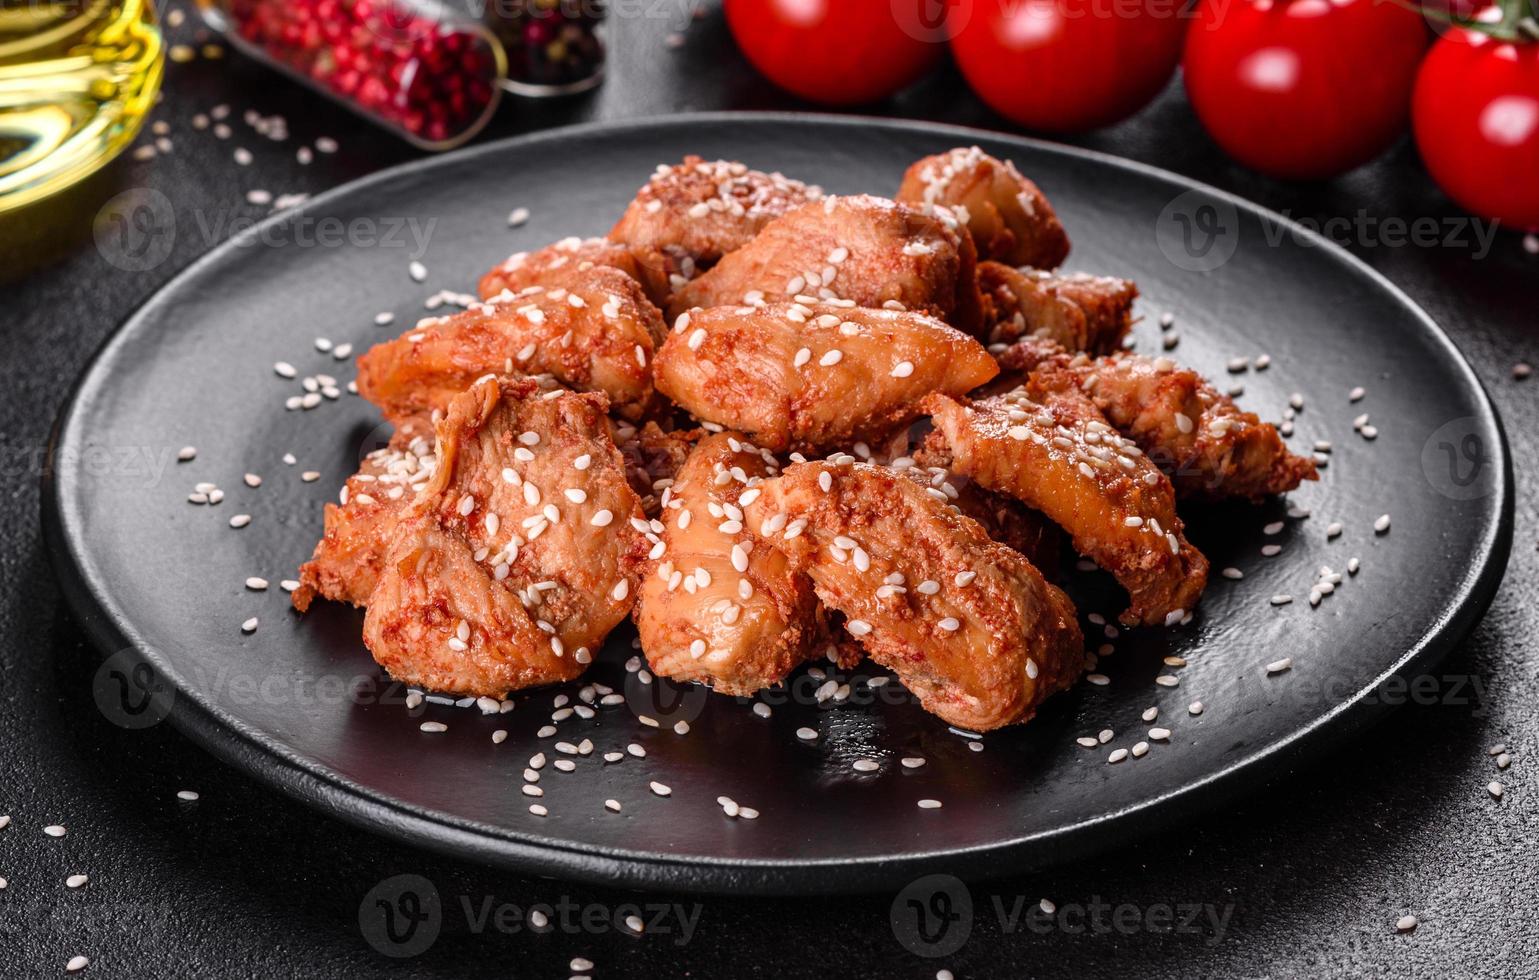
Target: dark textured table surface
<point x="1306" y="876"/>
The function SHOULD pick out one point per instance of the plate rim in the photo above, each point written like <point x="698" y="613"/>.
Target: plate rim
<point x="306" y="779"/>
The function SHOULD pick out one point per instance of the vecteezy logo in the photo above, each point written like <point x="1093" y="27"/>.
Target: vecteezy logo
<point x="1454" y="460"/>
<point x="401" y="916"/>
<point x="933" y="916"/>
<point x="376" y="439"/>
<point x="130" y="693"/>
<point x="1198" y="232"/>
<point x="135" y="230"/>
<point x="663" y="700"/>
<point x="931" y="21"/>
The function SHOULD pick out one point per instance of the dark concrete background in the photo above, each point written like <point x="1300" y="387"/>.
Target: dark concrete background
<point x="1304" y="878"/>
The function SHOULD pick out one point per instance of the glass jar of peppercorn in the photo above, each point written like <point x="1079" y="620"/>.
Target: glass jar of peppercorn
<point x="553" y="46"/>
<point x="432" y="78"/>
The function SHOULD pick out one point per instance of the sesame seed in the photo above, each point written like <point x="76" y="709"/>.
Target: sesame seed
<point x="52" y="830"/>
<point x="660" y="789"/>
<point x="950" y="624"/>
<point x="1195" y="708"/>
<point x="433" y="727"/>
<point x="1496" y="789"/>
<point x="806" y="734"/>
<point x="831" y="358"/>
<point x="1406" y="923"/>
<point x="249" y="626"/>
<point x="1382" y="524"/>
<point x="1281" y="599"/>
<point x="240" y="521"/>
<point x="865" y="765"/>
<point x="1355" y="395"/>
<point x="1167" y="680"/>
<point x="538" y="810"/>
<point x="417" y="271"/>
<point x="1278" y="666"/>
<point x="1117" y="755"/>
<point x="902" y="369"/>
<point x="929" y="804"/>
<point x="187" y="795"/>
<point x="76" y="964"/>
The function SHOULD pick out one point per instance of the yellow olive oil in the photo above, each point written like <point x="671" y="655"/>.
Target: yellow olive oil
<point x="77" y="78"/>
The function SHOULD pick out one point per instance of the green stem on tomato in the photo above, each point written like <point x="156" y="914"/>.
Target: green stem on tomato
<point x="1515" y="24"/>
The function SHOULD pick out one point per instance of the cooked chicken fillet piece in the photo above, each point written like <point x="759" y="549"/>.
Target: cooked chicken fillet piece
<point x="715" y="605"/>
<point x="865" y="251"/>
<point x="659" y="271"/>
<point x="1209" y="446"/>
<point x="1009" y="217"/>
<point x="814" y="376"/>
<point x="1061" y="457"/>
<point x="347" y="559"/>
<point x="966" y="623"/>
<point x="592" y="329"/>
<point x="1003" y="518"/>
<point x="515" y="561"/>
<point x="1081" y="312"/>
<point x="707" y="208"/>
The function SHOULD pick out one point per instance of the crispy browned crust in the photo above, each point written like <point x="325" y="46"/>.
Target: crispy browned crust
<point x="888" y="254"/>
<point x="1078" y="311"/>
<point x="1015" y="640"/>
<point x="814" y="377"/>
<point x="697" y="618"/>
<point x="658" y="270"/>
<point x="1207" y="444"/>
<point x="469" y="604"/>
<point x="1004" y="518"/>
<point x="1062" y="458"/>
<point x="1009" y="217"/>
<point x="604" y="344"/>
<point x="707" y="208"/>
<point x="653" y="457"/>
<point x="347" y="559"/>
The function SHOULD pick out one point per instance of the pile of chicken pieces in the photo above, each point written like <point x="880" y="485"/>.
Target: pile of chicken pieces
<point x="703" y="422"/>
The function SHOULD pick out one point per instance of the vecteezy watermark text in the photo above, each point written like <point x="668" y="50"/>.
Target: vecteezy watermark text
<point x="404" y="915"/>
<point x="1365" y="230"/>
<point x="934" y="916"/>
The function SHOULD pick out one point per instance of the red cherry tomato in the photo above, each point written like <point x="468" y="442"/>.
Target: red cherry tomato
<point x="840" y="52"/>
<point x="1303" y="89"/>
<point x="1476" y="117"/>
<point x="1067" y="65"/>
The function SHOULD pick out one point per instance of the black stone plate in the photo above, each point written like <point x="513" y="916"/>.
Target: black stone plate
<point x="300" y="704"/>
